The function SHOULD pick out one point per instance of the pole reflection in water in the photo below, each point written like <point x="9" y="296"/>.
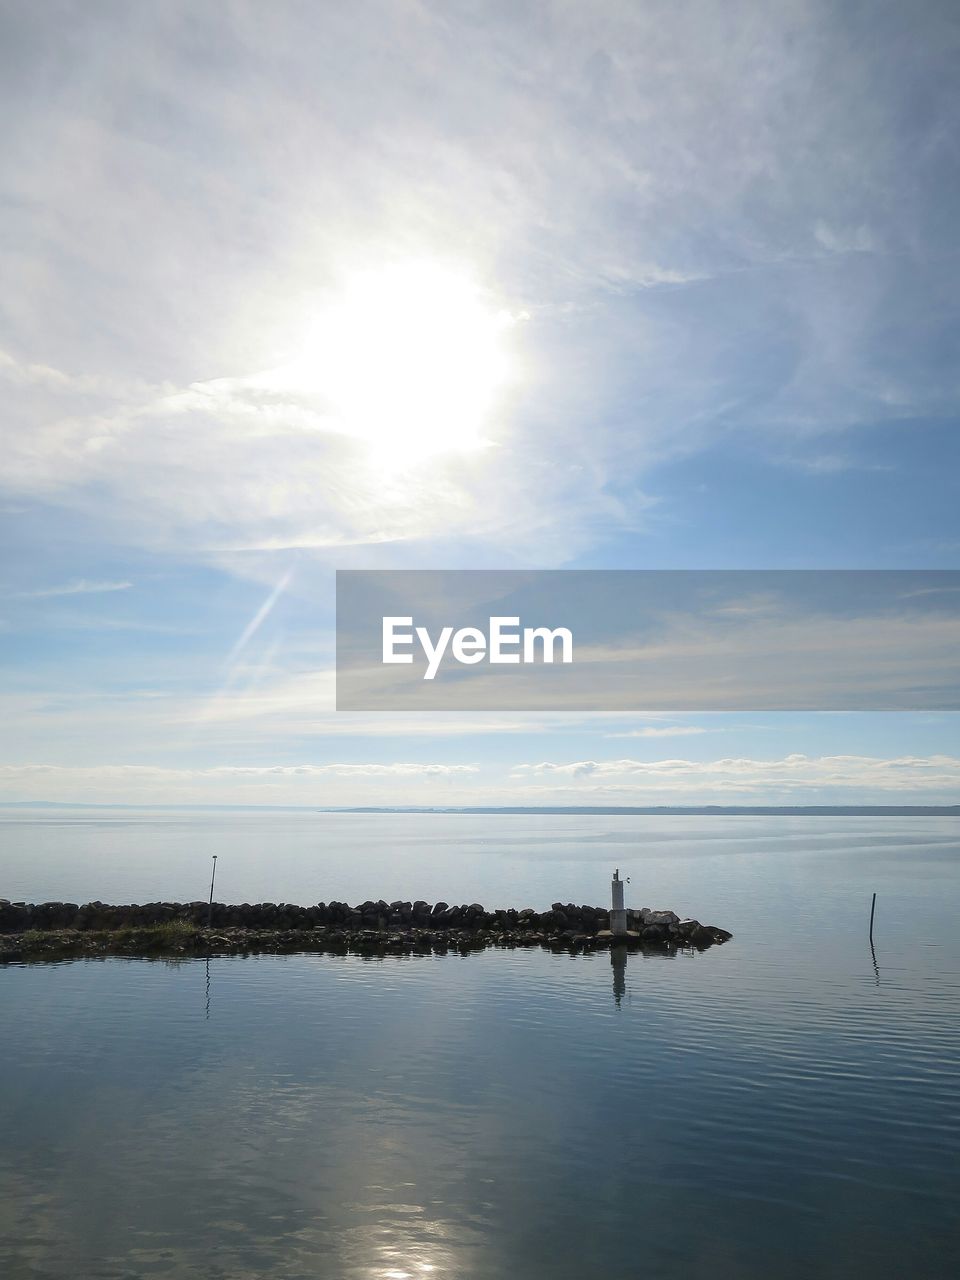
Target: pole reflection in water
<point x="618" y="959"/>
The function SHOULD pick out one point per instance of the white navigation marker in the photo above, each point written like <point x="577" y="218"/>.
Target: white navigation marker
<point x="618" y="917"/>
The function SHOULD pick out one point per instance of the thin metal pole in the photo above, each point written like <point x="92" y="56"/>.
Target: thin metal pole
<point x="873" y="907"/>
<point x="210" y="906"/>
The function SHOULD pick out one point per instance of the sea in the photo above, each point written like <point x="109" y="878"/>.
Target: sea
<point x="786" y="1105"/>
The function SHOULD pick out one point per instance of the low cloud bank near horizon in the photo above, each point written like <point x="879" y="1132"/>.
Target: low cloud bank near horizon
<point x="793" y="779"/>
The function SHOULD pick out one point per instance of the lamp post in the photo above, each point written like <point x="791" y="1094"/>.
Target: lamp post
<point x="210" y="905"/>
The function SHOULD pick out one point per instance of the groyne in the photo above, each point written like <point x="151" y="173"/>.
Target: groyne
<point x="53" y="930"/>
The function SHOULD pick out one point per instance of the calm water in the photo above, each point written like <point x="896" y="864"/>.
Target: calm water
<point x="784" y="1106"/>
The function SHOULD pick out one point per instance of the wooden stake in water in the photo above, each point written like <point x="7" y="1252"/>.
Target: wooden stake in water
<point x="214" y="876"/>
<point x="873" y="907"/>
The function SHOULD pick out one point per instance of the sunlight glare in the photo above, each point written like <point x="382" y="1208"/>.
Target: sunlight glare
<point x="411" y="358"/>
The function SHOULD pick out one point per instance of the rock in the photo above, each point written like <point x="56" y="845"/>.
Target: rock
<point x="720" y="935"/>
<point x="659" y="917"/>
<point x="708" y="934"/>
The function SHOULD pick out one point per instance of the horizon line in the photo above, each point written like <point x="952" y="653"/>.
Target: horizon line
<point x="852" y="810"/>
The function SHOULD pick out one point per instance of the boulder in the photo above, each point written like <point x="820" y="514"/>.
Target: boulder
<point x="659" y="917"/>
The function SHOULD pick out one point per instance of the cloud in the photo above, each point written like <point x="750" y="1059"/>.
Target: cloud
<point x="403" y="769"/>
<point x="674" y="646"/>
<point x="81" y="587"/>
<point x="227" y="466"/>
<point x="793" y="775"/>
<point x="845" y="239"/>
<point x="164" y="251"/>
<point x="23" y="373"/>
<point x="115" y="717"/>
<point x="667" y="731"/>
<point x="794" y="779"/>
<point x="334" y="783"/>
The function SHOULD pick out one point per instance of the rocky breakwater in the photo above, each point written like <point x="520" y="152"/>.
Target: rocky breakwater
<point x="55" y="930"/>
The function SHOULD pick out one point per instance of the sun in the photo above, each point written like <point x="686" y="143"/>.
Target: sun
<point x="412" y="359"/>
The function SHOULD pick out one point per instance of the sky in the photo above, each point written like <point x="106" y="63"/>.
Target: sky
<point x="293" y="288"/>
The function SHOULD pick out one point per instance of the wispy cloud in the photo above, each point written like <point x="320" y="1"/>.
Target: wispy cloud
<point x="80" y="587"/>
<point x="332" y="783"/>
<point x="402" y="769"/>
<point x="859" y="239"/>
<point x="258" y="619"/>
<point x="666" y="731"/>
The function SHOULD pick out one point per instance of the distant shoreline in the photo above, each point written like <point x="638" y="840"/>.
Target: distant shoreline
<point x="679" y="811"/>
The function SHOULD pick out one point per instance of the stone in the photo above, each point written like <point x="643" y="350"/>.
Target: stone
<point x="659" y="917"/>
<point x="720" y="935"/>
